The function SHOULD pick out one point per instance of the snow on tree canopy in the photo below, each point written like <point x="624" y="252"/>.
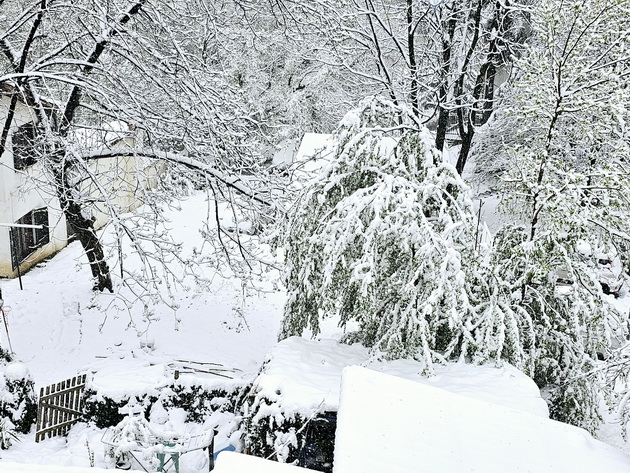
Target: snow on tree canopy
<point x="378" y="238"/>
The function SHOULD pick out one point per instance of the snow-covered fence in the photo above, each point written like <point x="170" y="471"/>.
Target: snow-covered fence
<point x="59" y="407"/>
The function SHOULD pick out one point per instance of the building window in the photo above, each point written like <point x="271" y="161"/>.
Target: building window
<point x="23" y="143"/>
<point x="24" y="240"/>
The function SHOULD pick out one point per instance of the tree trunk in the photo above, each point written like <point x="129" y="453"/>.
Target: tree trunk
<point x="83" y="225"/>
<point x="443" y="112"/>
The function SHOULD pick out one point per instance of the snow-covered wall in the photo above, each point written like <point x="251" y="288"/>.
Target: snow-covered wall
<point x="20" y="193"/>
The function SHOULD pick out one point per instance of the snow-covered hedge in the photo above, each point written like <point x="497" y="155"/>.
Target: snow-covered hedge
<point x="18" y="402"/>
<point x="198" y="398"/>
<point x="289" y="413"/>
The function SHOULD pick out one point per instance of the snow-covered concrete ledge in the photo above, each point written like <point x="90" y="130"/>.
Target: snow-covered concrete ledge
<point x="230" y="462"/>
<point x="386" y="423"/>
<point x="8" y="467"/>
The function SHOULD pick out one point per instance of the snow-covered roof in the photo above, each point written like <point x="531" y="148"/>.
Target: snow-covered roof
<point x="305" y="375"/>
<point x="110" y="134"/>
<point x="419" y="427"/>
<point x="312" y="145"/>
<point x="9" y="467"/>
<point x="231" y="462"/>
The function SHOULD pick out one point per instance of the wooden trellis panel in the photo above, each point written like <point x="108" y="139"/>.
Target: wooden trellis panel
<point x="59" y="407"/>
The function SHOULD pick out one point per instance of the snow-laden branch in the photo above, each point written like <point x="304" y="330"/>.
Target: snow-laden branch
<point x="235" y="183"/>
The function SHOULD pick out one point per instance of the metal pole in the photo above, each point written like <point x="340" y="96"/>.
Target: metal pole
<point x="16" y="260"/>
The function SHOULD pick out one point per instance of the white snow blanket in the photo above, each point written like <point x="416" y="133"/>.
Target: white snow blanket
<point x="231" y="462"/>
<point x="8" y="467"/>
<point x="388" y="424"/>
<point x="305" y="375"/>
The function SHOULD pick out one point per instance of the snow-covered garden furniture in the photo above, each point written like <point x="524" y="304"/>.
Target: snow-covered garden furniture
<point x="134" y="437"/>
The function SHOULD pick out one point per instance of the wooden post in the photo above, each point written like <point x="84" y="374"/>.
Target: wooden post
<point x="211" y="451"/>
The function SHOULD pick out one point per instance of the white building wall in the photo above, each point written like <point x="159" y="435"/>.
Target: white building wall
<point x="22" y="192"/>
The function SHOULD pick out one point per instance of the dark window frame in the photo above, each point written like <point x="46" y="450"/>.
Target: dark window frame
<point x="25" y="241"/>
<point x="23" y="144"/>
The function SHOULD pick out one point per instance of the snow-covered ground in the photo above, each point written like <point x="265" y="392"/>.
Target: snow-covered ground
<point x="58" y="327"/>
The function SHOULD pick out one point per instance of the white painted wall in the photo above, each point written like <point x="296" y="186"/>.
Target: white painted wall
<point x="22" y="192"/>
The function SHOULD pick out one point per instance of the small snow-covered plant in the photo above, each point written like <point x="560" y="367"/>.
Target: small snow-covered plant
<point x="90" y="453"/>
<point x="8" y="435"/>
<point x="132" y="432"/>
<point x="379" y="240"/>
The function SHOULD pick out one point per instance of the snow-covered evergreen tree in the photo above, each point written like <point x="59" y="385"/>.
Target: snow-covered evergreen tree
<point x="378" y="240"/>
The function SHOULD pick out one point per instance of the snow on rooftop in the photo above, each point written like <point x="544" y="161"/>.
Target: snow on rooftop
<point x="9" y="467"/>
<point x="231" y="462"/>
<point x="112" y="133"/>
<point x="312" y="144"/>
<point x="420" y="426"/>
<point x="305" y="375"/>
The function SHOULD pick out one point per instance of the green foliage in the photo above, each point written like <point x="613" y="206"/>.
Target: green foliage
<point x="562" y="142"/>
<point x="566" y="334"/>
<point x="197" y="400"/>
<point x="379" y="238"/>
<point x="101" y="410"/>
<point x="271" y="434"/>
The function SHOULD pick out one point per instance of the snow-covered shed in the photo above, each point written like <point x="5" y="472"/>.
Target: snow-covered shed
<point x="424" y="428"/>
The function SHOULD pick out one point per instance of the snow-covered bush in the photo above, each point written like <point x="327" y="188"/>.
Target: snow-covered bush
<point x="289" y="412"/>
<point x="198" y="399"/>
<point x="8" y="435"/>
<point x="379" y="240"/>
<point x="18" y="402"/>
<point x="105" y="411"/>
<point x="309" y="441"/>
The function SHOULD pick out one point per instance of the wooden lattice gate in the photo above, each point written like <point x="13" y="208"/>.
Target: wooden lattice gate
<point x="59" y="407"/>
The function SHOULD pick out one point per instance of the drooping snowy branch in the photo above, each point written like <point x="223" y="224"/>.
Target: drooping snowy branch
<point x="235" y="182"/>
